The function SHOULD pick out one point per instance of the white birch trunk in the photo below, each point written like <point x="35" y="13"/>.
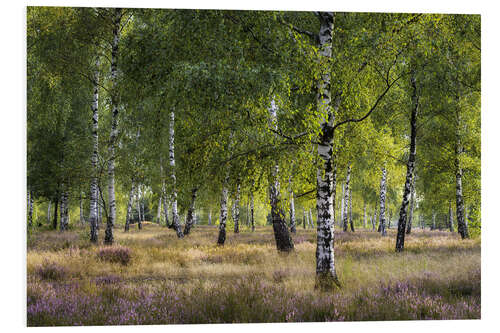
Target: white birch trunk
<point x="108" y="234"/>
<point x="342" y="206"/>
<point x="292" y="208"/>
<point x="93" y="214"/>
<point x="364" y="215"/>
<point x="383" y="192"/>
<point x="462" y="225"/>
<point x="30" y="209"/>
<point x="223" y="212"/>
<point x="450" y="218"/>
<point x="410" y="167"/>
<point x="129" y="206"/>
<point x="48" y="212"/>
<point x="82" y="217"/>
<point x="175" y="214"/>
<point x="237" y="210"/>
<point x="158" y="211"/>
<point x="326" y="275"/>
<point x="351" y="222"/>
<point x="412" y="205"/>
<point x="210" y="217"/>
<point x="252" y="221"/>
<point x="63" y="224"/>
<point x="345" y="221"/>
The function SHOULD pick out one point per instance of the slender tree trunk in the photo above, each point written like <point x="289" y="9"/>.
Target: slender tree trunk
<point x="165" y="211"/>
<point x="303" y="219"/>
<point x="138" y="202"/>
<point x="284" y="242"/>
<point x="292" y="208"/>
<point x="345" y="222"/>
<point x="412" y="205"/>
<point x="54" y="220"/>
<point x="383" y="190"/>
<point x="158" y="211"/>
<point x="100" y="206"/>
<point x="210" y="217"/>
<point x="351" y="223"/>
<point x="374" y="220"/>
<point x="433" y="221"/>
<point x="82" y="217"/>
<point x="93" y="214"/>
<point x="129" y="206"/>
<point x="223" y="212"/>
<point x="175" y="215"/>
<point x="237" y="210"/>
<point x="190" y="213"/>
<point x="400" y="240"/>
<point x="111" y="218"/>
<point x="364" y="215"/>
<point x="462" y="226"/>
<point x="450" y="217"/>
<point x="342" y="204"/>
<point x="30" y="209"/>
<point x="63" y="225"/>
<point x="48" y="212"/>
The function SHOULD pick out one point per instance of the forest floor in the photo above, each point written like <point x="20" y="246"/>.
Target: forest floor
<point x="151" y="277"/>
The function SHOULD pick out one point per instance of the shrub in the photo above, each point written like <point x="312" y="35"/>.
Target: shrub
<point x="117" y="254"/>
<point x="51" y="271"/>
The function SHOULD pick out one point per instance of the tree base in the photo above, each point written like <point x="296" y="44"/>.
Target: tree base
<point x="327" y="282"/>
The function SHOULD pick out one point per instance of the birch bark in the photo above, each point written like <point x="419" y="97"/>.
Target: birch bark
<point x="175" y="215"/>
<point x="108" y="234"/>
<point x="383" y="190"/>
<point x="129" y="206"/>
<point x="400" y="239"/>
<point x="190" y="213"/>
<point x="93" y="215"/>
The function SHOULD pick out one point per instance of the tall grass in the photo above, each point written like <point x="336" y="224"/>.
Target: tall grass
<point x="167" y="280"/>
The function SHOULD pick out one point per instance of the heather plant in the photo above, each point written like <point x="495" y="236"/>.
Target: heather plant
<point x="114" y="254"/>
<point x="51" y="271"/>
<point x="439" y="277"/>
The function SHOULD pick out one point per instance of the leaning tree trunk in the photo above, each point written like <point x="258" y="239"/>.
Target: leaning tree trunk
<point x="345" y="222"/>
<point x="412" y="206"/>
<point x="400" y="239"/>
<point x="108" y="234"/>
<point x="284" y="242"/>
<point x="190" y="213"/>
<point x="223" y="212"/>
<point x="129" y="207"/>
<point x="292" y="209"/>
<point x="93" y="214"/>
<point x="351" y="223"/>
<point x="462" y="226"/>
<point x="450" y="218"/>
<point x="236" y="210"/>
<point x="175" y="215"/>
<point x="326" y="275"/>
<point x="383" y="191"/>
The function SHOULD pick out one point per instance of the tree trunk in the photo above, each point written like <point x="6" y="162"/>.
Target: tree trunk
<point x="237" y="210"/>
<point x="210" y="217"/>
<point x="175" y="215"/>
<point x="364" y="215"/>
<point x="383" y="190"/>
<point x="462" y="226"/>
<point x="450" y="218"/>
<point x="158" y="211"/>
<point x="108" y="234"/>
<point x="292" y="209"/>
<point x="342" y="204"/>
<point x="129" y="207"/>
<point x="48" y="212"/>
<point x="282" y="237"/>
<point x="433" y="221"/>
<point x="138" y="202"/>
<point x="400" y="240"/>
<point x="223" y="212"/>
<point x="30" y="209"/>
<point x="345" y="222"/>
<point x="63" y="224"/>
<point x="190" y="213"/>
<point x="93" y="214"/>
<point x="412" y="205"/>
<point x="374" y="220"/>
<point x="351" y="223"/>
<point x="82" y="217"/>
<point x="100" y="206"/>
<point x="54" y="220"/>
<point x="165" y="211"/>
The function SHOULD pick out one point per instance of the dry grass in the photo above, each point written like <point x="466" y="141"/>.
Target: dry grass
<point x="437" y="268"/>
